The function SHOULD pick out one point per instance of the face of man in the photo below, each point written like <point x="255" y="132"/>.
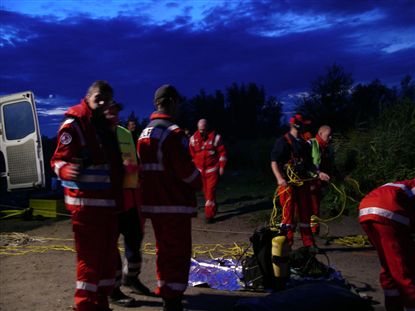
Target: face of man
<point x="97" y="99"/>
<point x="112" y="114"/>
<point x="202" y="127"/>
<point x="131" y="126"/>
<point x="326" y="135"/>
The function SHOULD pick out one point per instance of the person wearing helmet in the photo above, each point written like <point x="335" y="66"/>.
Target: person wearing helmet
<point x="293" y="168"/>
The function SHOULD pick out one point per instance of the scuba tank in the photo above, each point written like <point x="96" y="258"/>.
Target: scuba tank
<point x="280" y="255"/>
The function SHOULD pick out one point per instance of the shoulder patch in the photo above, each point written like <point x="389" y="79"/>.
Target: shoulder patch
<point x="65" y="138"/>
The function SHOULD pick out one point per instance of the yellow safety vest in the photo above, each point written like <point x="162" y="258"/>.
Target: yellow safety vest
<point x="129" y="155"/>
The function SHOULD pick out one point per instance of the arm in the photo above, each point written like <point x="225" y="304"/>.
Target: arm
<point x="277" y="155"/>
<point x="278" y="176"/>
<point x="64" y="161"/>
<point x="220" y="148"/>
<point x="180" y="160"/>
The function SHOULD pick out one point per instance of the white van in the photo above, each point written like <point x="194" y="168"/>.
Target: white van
<point x="21" y="156"/>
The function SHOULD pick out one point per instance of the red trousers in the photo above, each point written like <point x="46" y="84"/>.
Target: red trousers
<point x="95" y="231"/>
<point x="296" y="200"/>
<point x="210" y="181"/>
<point x="173" y="234"/>
<point x="396" y="252"/>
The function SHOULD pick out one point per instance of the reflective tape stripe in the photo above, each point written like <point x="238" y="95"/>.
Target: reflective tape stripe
<point x="86" y="286"/>
<point x="156" y="133"/>
<point x="161" y="135"/>
<point x="134" y="265"/>
<point x="152" y="167"/>
<point x="94" y="178"/>
<point x="210" y="170"/>
<point x="217" y="140"/>
<point x="78" y="130"/>
<point x="88" y="201"/>
<point x="85" y="186"/>
<point x="58" y="166"/>
<point x="168" y="209"/>
<point x="191" y="177"/>
<point x="177" y="286"/>
<point x="303" y="225"/>
<point x="384" y="213"/>
<point x="106" y="282"/>
<point x="222" y="159"/>
<point x="210" y="203"/>
<point x="173" y="286"/>
<point x="391" y="292"/>
<point x="409" y="192"/>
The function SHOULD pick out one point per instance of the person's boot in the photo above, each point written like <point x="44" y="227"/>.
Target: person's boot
<point x="136" y="286"/>
<point x="173" y="304"/>
<point x="118" y="298"/>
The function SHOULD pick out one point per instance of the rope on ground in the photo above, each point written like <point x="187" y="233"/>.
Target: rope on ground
<point x="353" y="241"/>
<point x="16" y="243"/>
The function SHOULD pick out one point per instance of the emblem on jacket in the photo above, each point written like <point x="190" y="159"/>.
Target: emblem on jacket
<point x="66" y="138"/>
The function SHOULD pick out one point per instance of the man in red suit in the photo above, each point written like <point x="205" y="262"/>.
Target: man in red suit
<point x="169" y="185"/>
<point x="387" y="214"/>
<point x="209" y="155"/>
<point x="88" y="161"/>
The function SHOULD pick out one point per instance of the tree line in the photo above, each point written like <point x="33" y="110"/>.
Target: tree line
<point x="365" y="118"/>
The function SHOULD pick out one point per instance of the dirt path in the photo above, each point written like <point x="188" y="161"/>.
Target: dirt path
<point x="45" y="281"/>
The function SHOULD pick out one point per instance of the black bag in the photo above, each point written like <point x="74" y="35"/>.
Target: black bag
<point x="262" y="243"/>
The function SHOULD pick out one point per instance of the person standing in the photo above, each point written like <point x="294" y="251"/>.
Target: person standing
<point x="88" y="162"/>
<point x="291" y="155"/>
<point x="323" y="160"/>
<point x="132" y="127"/>
<point x="170" y="181"/>
<point x="387" y="215"/>
<point x="209" y="155"/>
<point x="129" y="221"/>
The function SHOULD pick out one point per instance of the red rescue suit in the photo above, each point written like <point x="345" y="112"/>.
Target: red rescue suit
<point x="208" y="155"/>
<point x="387" y="214"/>
<point x="91" y="199"/>
<point x="169" y="183"/>
<point x="295" y="199"/>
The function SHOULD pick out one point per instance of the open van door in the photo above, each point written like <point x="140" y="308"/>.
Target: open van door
<point x="21" y="158"/>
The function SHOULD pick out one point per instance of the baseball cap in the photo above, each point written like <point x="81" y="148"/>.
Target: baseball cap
<point x="166" y="91"/>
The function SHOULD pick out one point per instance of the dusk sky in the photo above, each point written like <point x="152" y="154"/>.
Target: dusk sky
<point x="58" y="48"/>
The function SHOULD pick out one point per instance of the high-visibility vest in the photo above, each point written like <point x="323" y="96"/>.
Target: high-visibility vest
<point x="129" y="155"/>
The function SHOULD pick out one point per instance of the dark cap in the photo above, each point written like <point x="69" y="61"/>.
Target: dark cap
<point x="299" y="120"/>
<point x="166" y="91"/>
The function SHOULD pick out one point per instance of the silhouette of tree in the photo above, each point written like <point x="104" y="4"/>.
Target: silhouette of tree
<point x="329" y="98"/>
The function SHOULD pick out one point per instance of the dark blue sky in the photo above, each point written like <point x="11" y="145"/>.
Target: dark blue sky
<point x="57" y="48"/>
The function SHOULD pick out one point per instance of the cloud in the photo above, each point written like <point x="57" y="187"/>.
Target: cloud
<point x="278" y="45"/>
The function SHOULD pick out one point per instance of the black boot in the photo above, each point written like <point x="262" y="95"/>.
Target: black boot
<point x="136" y="286"/>
<point x="118" y="298"/>
<point x="173" y="304"/>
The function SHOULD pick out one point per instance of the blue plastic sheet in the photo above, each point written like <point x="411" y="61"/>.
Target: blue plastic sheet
<point x="221" y="274"/>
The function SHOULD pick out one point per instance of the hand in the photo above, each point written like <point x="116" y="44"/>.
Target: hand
<point x="282" y="182"/>
<point x="221" y="171"/>
<point x="72" y="171"/>
<point x="323" y="176"/>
